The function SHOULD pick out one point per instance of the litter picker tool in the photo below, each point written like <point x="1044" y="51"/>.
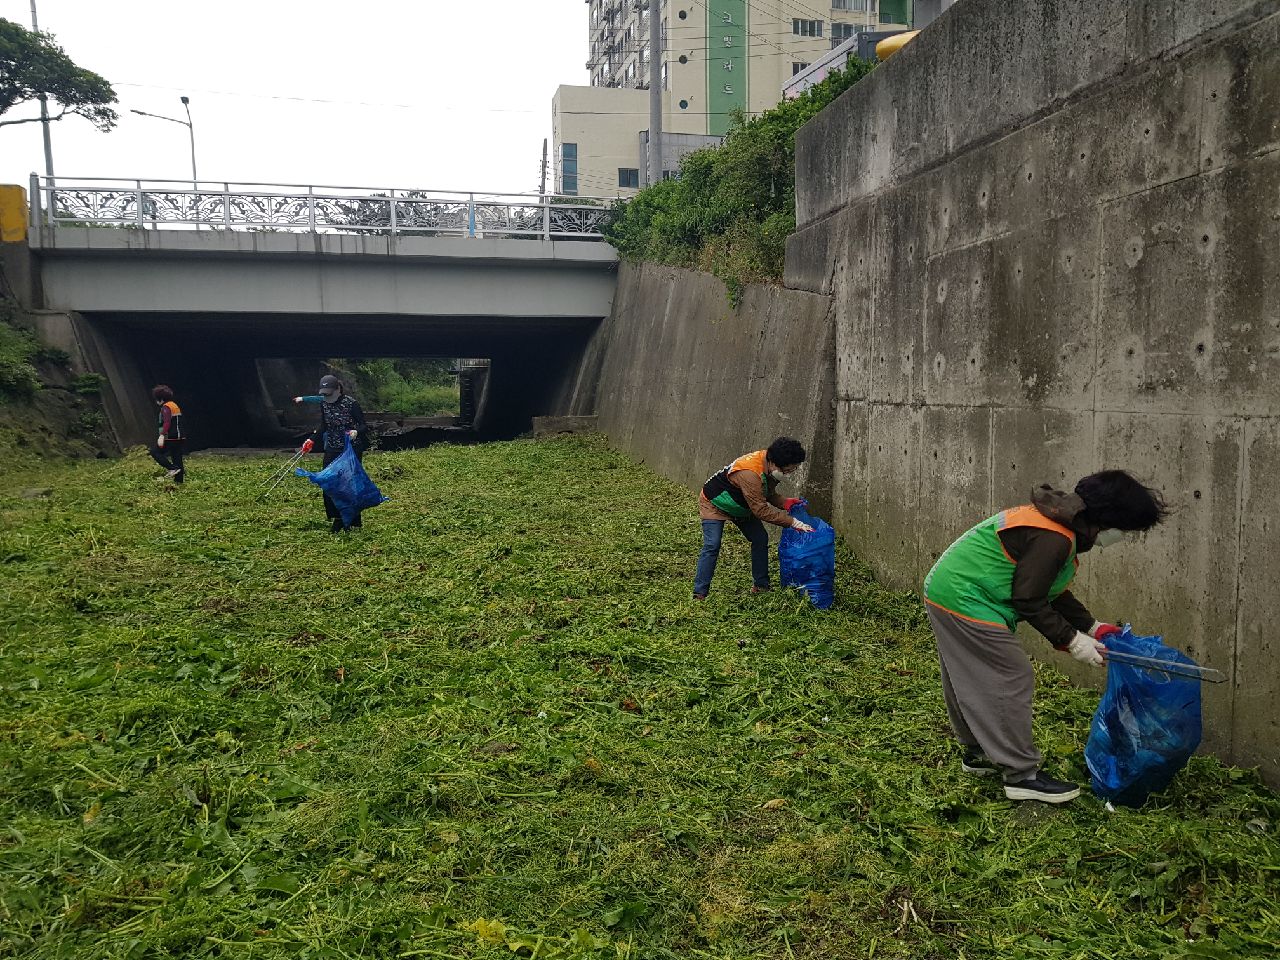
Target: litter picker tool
<point x="285" y="470"/>
<point x="1171" y="667"/>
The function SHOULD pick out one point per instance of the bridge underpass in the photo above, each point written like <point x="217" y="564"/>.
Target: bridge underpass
<point x="232" y="398"/>
<point x="198" y="308"/>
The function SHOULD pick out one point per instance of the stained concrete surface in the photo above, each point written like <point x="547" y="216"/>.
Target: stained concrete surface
<point x="686" y="382"/>
<point x="1052" y="246"/>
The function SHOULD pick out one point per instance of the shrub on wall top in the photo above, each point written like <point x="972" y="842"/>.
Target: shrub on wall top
<point x="733" y="206"/>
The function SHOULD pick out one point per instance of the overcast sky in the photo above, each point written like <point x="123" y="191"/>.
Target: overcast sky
<point x="436" y="94"/>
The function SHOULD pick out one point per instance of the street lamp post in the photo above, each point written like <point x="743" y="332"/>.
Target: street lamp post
<point x="186" y="105"/>
<point x="191" y="130"/>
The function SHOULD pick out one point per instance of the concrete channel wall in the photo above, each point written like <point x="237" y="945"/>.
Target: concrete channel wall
<point x="685" y="382"/>
<point x="1053" y="245"/>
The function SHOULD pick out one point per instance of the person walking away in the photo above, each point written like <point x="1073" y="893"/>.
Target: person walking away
<point x="1018" y="565"/>
<point x="167" y="450"/>
<point x="745" y="494"/>
<point x="340" y="418"/>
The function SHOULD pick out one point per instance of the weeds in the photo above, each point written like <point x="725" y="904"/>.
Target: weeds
<point x="493" y="724"/>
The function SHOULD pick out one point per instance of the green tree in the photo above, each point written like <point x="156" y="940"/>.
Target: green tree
<point x="32" y="65"/>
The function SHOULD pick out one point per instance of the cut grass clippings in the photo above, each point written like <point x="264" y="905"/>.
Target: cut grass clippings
<point x="493" y="723"/>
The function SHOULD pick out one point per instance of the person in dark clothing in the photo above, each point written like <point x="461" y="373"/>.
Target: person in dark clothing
<point x="167" y="450"/>
<point x="1016" y="566"/>
<point x="340" y="418"/>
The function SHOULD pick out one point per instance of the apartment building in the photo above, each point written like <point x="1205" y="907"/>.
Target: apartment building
<point x="719" y="58"/>
<point x="724" y="56"/>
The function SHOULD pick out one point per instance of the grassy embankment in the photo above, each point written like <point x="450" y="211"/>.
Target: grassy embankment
<point x="493" y="724"/>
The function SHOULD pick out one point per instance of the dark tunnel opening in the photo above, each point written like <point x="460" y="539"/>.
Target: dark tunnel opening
<point x="236" y="375"/>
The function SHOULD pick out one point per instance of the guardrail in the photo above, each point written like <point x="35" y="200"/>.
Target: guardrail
<point x="266" y="207"/>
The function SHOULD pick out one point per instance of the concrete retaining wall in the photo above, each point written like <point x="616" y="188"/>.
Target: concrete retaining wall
<point x="684" y="382"/>
<point x="1053" y="245"/>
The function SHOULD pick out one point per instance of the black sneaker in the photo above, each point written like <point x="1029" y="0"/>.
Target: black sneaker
<point x="976" y="763"/>
<point x="1043" y="788"/>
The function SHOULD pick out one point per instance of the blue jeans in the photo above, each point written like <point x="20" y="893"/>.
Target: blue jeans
<point x="713" y="532"/>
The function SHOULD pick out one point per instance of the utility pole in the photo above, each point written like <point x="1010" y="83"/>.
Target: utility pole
<point x="543" y="190"/>
<point x="44" y="108"/>
<point x="655" y="92"/>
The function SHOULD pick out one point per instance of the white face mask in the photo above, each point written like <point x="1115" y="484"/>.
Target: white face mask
<point x="1107" y="537"/>
<point x="778" y="475"/>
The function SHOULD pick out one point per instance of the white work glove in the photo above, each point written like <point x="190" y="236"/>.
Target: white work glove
<point x="297" y="399"/>
<point x="801" y="526"/>
<point x="1086" y="649"/>
<point x="353" y="434"/>
<point x="160" y="441"/>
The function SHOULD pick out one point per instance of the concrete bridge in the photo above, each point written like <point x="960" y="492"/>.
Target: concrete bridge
<point x="195" y="286"/>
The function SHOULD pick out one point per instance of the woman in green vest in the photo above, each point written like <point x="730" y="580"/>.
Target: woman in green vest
<point x="745" y="494"/>
<point x="1015" y="566"/>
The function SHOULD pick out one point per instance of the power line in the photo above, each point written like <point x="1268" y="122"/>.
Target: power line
<point x="353" y="103"/>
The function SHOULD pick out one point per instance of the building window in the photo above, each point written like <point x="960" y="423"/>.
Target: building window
<point x="894" y="11"/>
<point x="806" y="28"/>
<point x="840" y="32"/>
<point x="856" y="6"/>
<point x="797" y="67"/>
<point x="629" y="177"/>
<point x="569" y="168"/>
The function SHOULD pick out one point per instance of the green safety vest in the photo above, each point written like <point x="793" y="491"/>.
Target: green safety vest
<point x="973" y="578"/>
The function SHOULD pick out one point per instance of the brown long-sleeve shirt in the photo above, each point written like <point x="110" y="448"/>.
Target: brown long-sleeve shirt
<point x="767" y="509"/>
<point x="1039" y="556"/>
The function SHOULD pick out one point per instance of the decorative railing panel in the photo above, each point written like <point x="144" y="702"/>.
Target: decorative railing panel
<point x="156" y="204"/>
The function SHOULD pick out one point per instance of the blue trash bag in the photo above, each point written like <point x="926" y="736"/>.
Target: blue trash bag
<point x="347" y="485"/>
<point x="808" y="560"/>
<point x="1147" y="725"/>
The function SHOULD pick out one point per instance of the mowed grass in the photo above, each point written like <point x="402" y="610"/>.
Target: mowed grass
<point x="493" y="724"/>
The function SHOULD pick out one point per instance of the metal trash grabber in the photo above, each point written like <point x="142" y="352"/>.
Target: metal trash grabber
<point x="1171" y="667"/>
<point x="280" y="474"/>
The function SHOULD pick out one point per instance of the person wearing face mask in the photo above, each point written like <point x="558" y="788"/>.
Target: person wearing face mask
<point x="340" y="418"/>
<point x="1016" y="566"/>
<point x="744" y="494"/>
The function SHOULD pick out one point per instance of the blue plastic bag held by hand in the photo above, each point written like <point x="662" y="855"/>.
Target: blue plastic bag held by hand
<point x="1147" y="725"/>
<point x="347" y="485"/>
<point x="808" y="560"/>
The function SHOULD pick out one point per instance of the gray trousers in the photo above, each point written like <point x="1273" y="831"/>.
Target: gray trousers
<point x="987" y="682"/>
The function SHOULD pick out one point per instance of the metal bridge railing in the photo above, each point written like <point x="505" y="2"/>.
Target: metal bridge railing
<point x="274" y="207"/>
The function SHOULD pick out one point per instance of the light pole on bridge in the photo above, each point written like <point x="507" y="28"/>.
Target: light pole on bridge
<point x="186" y="105"/>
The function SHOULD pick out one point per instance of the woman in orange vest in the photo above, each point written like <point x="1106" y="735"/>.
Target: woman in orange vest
<point x="744" y="494"/>
<point x="1016" y="566"/>
<point x="168" y="448"/>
